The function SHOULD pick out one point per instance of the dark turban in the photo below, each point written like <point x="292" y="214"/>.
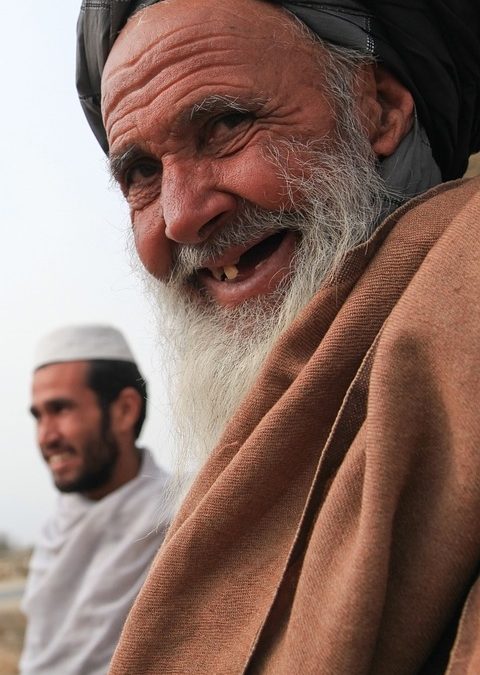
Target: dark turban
<point x="432" y="46"/>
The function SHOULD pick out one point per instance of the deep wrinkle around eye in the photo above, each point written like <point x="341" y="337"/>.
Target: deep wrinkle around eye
<point x="224" y="127"/>
<point x="145" y="169"/>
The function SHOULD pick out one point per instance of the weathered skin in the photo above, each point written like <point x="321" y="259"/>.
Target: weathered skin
<point x="190" y="172"/>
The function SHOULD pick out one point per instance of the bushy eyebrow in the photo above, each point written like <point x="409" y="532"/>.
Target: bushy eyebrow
<point x="216" y="103"/>
<point x="51" y="405"/>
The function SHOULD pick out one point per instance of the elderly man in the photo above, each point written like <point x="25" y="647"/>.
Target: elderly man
<point x="89" y="403"/>
<point x="286" y="167"/>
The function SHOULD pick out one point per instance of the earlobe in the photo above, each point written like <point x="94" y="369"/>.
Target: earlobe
<point x="397" y="111"/>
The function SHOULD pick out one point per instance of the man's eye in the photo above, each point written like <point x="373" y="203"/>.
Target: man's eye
<point x="222" y="126"/>
<point x="233" y="119"/>
<point x="140" y="173"/>
<point x="58" y="408"/>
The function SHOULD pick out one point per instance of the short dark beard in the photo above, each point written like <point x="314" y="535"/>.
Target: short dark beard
<point x="101" y="457"/>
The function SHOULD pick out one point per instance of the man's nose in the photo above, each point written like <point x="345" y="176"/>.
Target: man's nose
<point x="193" y="207"/>
<point x="47" y="433"/>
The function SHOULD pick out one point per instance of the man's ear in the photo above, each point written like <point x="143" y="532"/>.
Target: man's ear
<point x="125" y="410"/>
<point x="395" y="113"/>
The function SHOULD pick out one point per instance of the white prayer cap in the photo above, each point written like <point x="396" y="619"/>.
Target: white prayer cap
<point x="82" y="343"/>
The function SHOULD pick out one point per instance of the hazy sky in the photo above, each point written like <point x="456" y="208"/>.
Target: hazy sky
<point x="63" y="257"/>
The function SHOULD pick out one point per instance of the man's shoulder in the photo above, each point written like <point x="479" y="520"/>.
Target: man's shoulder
<point x="454" y="210"/>
<point x="150" y="468"/>
<point x="444" y="203"/>
<point x="440" y="305"/>
<point x="144" y="497"/>
<point x="442" y="224"/>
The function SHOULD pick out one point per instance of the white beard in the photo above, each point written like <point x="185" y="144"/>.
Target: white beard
<point x="215" y="354"/>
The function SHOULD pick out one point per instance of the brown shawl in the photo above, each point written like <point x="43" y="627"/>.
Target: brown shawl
<point x="335" y="529"/>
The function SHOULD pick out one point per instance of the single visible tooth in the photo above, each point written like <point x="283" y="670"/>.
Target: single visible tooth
<point x="216" y="273"/>
<point x="231" y="271"/>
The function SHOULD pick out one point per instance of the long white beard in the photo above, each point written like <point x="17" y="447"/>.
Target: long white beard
<point x="214" y="354"/>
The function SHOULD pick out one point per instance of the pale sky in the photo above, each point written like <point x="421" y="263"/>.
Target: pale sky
<point x="63" y="258"/>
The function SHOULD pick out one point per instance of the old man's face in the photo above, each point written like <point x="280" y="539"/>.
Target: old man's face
<point x="195" y="96"/>
<point x="248" y="167"/>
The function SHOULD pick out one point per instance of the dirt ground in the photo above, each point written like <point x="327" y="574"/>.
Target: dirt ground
<point x="12" y="628"/>
<point x="13" y="570"/>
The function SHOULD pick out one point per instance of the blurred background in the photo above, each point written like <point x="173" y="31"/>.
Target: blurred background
<point x="62" y="259"/>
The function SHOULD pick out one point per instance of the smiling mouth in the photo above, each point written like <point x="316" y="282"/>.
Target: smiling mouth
<point x="242" y="266"/>
<point x="247" y="271"/>
<point x="58" y="460"/>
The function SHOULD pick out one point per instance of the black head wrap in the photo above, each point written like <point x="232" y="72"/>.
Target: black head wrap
<point x="432" y="46"/>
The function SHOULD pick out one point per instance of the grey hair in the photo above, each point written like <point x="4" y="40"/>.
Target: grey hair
<point x="339" y="68"/>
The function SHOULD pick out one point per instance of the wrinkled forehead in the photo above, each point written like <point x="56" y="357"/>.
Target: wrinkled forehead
<point x="174" y="52"/>
<point x="174" y="27"/>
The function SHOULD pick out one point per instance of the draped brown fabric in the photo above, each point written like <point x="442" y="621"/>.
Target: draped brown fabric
<point x="335" y="529"/>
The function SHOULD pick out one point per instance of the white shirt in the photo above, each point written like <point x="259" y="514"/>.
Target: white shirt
<point x="86" y="571"/>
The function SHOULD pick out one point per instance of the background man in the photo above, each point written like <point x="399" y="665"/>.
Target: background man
<point x="328" y="355"/>
<point x="89" y="402"/>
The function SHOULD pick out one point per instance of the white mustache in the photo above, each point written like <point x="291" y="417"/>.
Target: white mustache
<point x="249" y="224"/>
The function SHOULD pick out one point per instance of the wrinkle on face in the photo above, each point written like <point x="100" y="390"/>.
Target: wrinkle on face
<point x="190" y="53"/>
<point x="162" y="73"/>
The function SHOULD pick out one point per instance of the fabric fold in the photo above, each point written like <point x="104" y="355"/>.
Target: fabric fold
<point x="298" y="548"/>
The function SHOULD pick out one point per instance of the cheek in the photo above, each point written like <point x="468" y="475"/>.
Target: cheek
<point x="152" y="246"/>
<point x="70" y="433"/>
<point x="256" y="179"/>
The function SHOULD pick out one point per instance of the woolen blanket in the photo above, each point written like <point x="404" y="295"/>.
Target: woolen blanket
<point x="335" y="528"/>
